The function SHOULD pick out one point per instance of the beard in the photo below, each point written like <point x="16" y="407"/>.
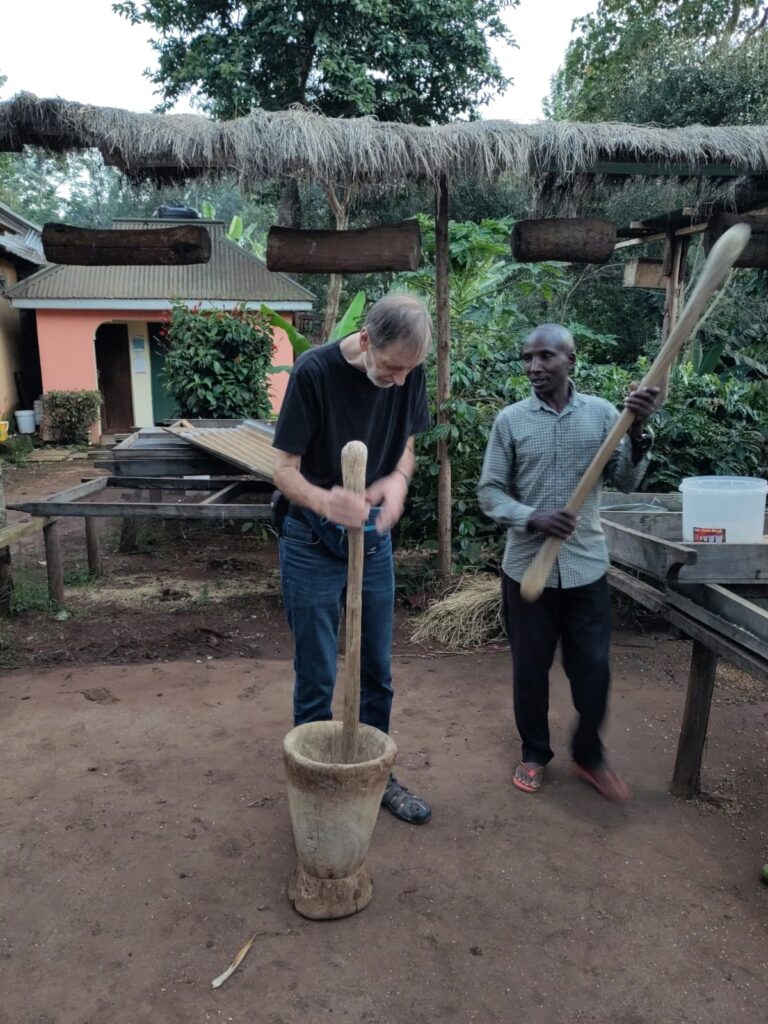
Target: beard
<point x="370" y="373"/>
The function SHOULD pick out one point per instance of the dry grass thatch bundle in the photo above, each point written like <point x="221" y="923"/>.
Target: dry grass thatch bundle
<point x="301" y="144"/>
<point x="469" y="616"/>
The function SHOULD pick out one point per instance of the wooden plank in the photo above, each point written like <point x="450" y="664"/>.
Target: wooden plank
<point x="727" y="563"/>
<point x="652" y="555"/>
<point x="16" y="531"/>
<point x="747" y="620"/>
<point x="727" y="649"/>
<point x="148" y="510"/>
<point x="81" y="490"/>
<point x="365" y="250"/>
<point x="177" y="466"/>
<point x="53" y="563"/>
<point x="643" y="273"/>
<point x="719" y="624"/>
<point x="226" y="494"/>
<point x="93" y="547"/>
<point x="661" y="525"/>
<point x="193" y="483"/>
<point x="131" y="247"/>
<point x="645" y="595"/>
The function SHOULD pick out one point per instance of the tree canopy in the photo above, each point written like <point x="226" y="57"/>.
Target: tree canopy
<point x="669" y="62"/>
<point x="422" y="61"/>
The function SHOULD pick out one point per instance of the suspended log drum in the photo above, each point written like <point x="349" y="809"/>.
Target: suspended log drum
<point x="756" y="252"/>
<point x="568" y="239"/>
<point x="391" y="247"/>
<point x="133" y="247"/>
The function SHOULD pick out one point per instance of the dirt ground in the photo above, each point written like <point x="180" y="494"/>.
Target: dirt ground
<point x="144" y="830"/>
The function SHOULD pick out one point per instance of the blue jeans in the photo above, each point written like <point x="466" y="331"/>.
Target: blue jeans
<point x="314" y="576"/>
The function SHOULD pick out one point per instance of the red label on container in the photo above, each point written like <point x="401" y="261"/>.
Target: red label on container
<point x="708" y="535"/>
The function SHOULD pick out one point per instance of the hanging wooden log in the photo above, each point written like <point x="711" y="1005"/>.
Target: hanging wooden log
<point x="756" y="252"/>
<point x="569" y="239"/>
<point x="132" y="247"/>
<point x="390" y="247"/>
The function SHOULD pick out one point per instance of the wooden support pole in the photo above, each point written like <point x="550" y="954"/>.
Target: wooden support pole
<point x="675" y="253"/>
<point x="54" y="566"/>
<point x="93" y="547"/>
<point x="693" y="732"/>
<point x="443" y="378"/>
<point x="6" y="572"/>
<point x="128" y="530"/>
<point x="6" y="582"/>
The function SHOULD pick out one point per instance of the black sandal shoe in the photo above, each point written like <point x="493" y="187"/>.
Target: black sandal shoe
<point x="404" y="805"/>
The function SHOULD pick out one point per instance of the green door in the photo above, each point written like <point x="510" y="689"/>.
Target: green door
<point x="163" y="405"/>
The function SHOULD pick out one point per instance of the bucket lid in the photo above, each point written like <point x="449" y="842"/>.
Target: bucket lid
<point x="724" y="483"/>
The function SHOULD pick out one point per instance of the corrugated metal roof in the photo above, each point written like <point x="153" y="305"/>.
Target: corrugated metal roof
<point x="248" y="446"/>
<point x="28" y="246"/>
<point x="232" y="275"/>
<point x="20" y="237"/>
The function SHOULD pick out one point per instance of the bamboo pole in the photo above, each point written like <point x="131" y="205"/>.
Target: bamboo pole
<point x="443" y="378"/>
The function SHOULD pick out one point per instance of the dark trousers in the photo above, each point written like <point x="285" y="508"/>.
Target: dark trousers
<point x="580" y="617"/>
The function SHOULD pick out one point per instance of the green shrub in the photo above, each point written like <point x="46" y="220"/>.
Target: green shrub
<point x="217" y="362"/>
<point x="16" y="449"/>
<point x="68" y="415"/>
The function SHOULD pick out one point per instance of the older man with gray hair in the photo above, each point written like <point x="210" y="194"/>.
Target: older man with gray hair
<point x="538" y="451"/>
<point x="368" y="387"/>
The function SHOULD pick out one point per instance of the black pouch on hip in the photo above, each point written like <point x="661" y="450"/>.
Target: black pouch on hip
<point x="279" y="504"/>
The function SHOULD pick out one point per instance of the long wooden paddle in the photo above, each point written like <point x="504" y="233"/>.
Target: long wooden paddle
<point x="354" y="457"/>
<point x="722" y="256"/>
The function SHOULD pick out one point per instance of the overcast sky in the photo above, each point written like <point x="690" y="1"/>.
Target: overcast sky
<point x="82" y="51"/>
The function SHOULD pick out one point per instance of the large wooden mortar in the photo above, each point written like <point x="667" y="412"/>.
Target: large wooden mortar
<point x="334" y="807"/>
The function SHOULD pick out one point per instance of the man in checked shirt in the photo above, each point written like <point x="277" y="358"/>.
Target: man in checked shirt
<point x="536" y="455"/>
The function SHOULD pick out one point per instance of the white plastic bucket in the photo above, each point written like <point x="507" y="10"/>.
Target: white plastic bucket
<point x="723" y="509"/>
<point x="25" y="421"/>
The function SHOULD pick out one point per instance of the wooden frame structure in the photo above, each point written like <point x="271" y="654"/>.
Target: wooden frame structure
<point x="716" y="594"/>
<point x="218" y="502"/>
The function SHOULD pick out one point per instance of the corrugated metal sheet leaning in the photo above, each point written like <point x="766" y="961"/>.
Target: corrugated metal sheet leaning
<point x="248" y="446"/>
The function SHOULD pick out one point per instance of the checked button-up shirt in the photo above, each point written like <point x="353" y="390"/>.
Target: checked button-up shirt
<point x="534" y="460"/>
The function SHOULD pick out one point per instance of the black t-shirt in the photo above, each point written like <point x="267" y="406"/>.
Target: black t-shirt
<point x="329" y="402"/>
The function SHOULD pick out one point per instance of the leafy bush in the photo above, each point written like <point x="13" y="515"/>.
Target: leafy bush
<point x="217" y="362"/>
<point x="69" y="414"/>
<point x="16" y="449"/>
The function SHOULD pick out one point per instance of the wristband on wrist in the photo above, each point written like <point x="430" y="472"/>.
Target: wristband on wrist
<point x="404" y="476"/>
<point x="642" y="442"/>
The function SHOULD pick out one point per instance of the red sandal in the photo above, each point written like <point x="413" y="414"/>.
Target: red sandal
<point x="606" y="782"/>
<point x="528" y="780"/>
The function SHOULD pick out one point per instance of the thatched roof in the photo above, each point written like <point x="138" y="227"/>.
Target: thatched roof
<point x="300" y="144"/>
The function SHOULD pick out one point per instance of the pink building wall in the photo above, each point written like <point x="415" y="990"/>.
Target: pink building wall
<point x="68" y="354"/>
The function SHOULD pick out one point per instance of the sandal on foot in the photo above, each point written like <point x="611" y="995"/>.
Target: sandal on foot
<point x="528" y="777"/>
<point x="606" y="782"/>
<point x="404" y="805"/>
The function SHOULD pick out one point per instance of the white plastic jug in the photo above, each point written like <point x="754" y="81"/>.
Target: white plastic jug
<point x="25" y="421"/>
<point x="723" y="509"/>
